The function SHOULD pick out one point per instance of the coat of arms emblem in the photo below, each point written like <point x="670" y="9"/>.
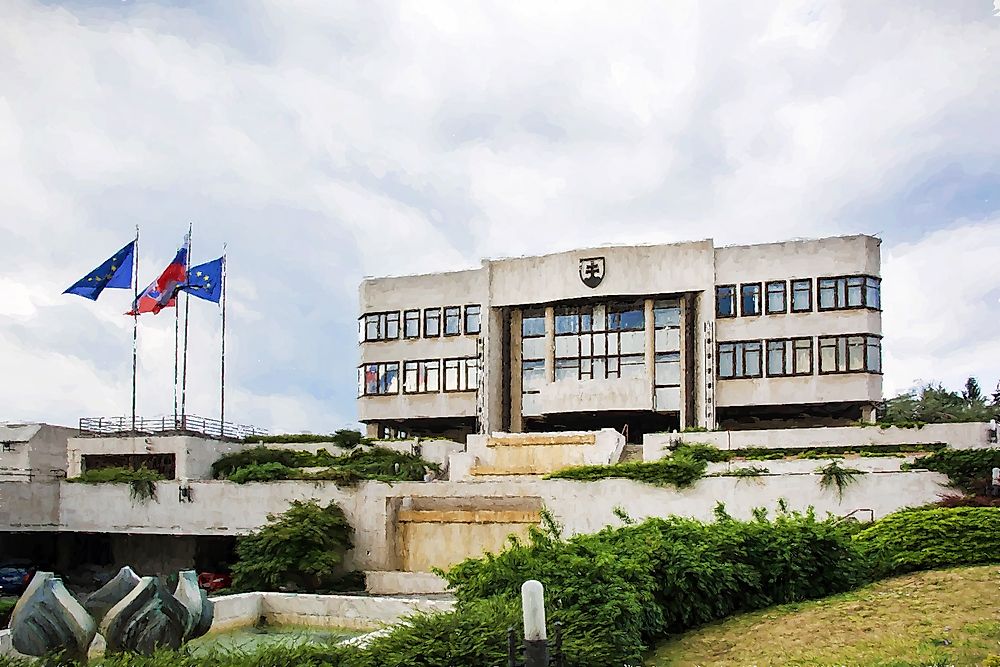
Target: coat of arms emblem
<point x="592" y="271"/>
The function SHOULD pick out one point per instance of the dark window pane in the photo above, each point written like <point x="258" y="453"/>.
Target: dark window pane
<point x="776" y="297"/>
<point x="626" y="317"/>
<point x="725" y="301"/>
<point x="533" y="323"/>
<point x="411" y="324"/>
<point x="801" y="295"/>
<point x="452" y="321"/>
<point x="873" y="355"/>
<point x="873" y="297"/>
<point x="473" y="323"/>
<point x="855" y="292"/>
<point x="827" y="293"/>
<point x="432" y="322"/>
<point x="750" y="300"/>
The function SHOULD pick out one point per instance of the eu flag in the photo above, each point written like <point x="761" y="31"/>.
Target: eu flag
<point x="205" y="280"/>
<point x="115" y="273"/>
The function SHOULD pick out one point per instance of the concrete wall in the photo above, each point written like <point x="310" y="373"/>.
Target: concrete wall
<point x="193" y="456"/>
<point x="502" y="454"/>
<point x="30" y="475"/>
<point x="957" y="436"/>
<point x="343" y="611"/>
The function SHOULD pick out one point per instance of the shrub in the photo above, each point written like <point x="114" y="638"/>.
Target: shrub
<point x="225" y="465"/>
<point x="304" y="546"/>
<point x="261" y="472"/>
<point x="141" y="481"/>
<point x="346" y="438"/>
<point x="927" y="538"/>
<point x="954" y="500"/>
<point x="685" y="467"/>
<point x="266" y="464"/>
<point x="967" y="469"/>
<point x="619" y="590"/>
<point x="835" y="476"/>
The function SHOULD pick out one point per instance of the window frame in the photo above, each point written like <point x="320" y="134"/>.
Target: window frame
<point x="381" y="320"/>
<point x="363" y="380"/>
<point x="841" y="292"/>
<point x="741" y="346"/>
<point x="791" y="301"/>
<point x="461" y="366"/>
<point x="842" y="352"/>
<point x="789" y="357"/>
<point x="760" y="300"/>
<point x="440" y="327"/>
<point x="456" y="315"/>
<point x="406" y="320"/>
<point x="421" y="387"/>
<point x="533" y="317"/>
<point x="734" y="293"/>
<point x="784" y="297"/>
<point x="478" y="312"/>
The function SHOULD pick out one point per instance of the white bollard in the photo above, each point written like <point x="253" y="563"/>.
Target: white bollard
<point x="536" y="645"/>
<point x="996" y="477"/>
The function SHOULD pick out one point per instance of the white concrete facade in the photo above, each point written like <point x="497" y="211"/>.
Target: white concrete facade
<point x="672" y="335"/>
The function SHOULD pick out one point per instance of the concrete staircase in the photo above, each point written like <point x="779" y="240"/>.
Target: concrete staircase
<point x="631" y="454"/>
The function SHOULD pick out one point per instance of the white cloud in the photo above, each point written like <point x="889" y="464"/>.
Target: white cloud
<point x="328" y="141"/>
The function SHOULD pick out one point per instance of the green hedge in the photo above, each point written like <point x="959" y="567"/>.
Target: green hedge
<point x="932" y="537"/>
<point x="685" y="467"/>
<point x="265" y="464"/>
<point x="967" y="469"/>
<point x="346" y="438"/>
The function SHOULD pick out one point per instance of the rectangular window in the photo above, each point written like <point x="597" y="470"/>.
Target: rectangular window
<point x="421" y="377"/>
<point x="411" y="324"/>
<point x="381" y="326"/>
<point x="668" y="369"/>
<point x="379" y="379"/>
<point x="725" y="301"/>
<point x="776" y="297"/>
<point x="473" y="322"/>
<point x="452" y="321"/>
<point x="533" y="323"/>
<point x="750" y="299"/>
<point x="432" y="322"/>
<point x="461" y="374"/>
<point x="574" y="319"/>
<point x="666" y="315"/>
<point x="568" y="369"/>
<point x="849" y="292"/>
<point x="626" y="316"/>
<point x="532" y="374"/>
<point x="802" y="295"/>
<point x="851" y="353"/>
<point x="789" y="356"/>
<point x="740" y="359"/>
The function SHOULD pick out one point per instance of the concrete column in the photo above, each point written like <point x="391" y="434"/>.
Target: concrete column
<point x="650" y="360"/>
<point x="550" y="344"/>
<point x="371" y="430"/>
<point x="868" y="414"/>
<point x="516" y="421"/>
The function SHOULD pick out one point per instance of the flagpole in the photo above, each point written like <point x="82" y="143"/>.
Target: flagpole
<point x="135" y="318"/>
<point x="187" y="310"/>
<point x="222" y="382"/>
<point x="177" y="347"/>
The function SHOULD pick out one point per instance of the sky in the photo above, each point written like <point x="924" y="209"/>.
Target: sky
<point x="327" y="141"/>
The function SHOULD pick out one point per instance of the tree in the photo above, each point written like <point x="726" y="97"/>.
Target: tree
<point x="973" y="395"/>
<point x="932" y="403"/>
<point x="304" y="547"/>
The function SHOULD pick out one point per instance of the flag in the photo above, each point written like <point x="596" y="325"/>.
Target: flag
<point x="205" y="280"/>
<point x="115" y="273"/>
<point x="161" y="293"/>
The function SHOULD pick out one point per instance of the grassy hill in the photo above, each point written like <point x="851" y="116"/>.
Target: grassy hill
<point x="936" y="618"/>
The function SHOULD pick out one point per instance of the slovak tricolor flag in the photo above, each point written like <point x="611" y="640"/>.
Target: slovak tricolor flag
<point x="162" y="292"/>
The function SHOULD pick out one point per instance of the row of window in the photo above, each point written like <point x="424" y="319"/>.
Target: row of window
<point x="851" y="353"/>
<point x="425" y="376"/>
<point x="796" y="296"/>
<point x="616" y="316"/>
<point x="449" y="321"/>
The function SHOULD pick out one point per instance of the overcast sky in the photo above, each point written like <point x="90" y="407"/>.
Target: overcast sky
<point x="326" y="141"/>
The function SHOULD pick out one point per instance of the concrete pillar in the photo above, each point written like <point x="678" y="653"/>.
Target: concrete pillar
<point x="868" y="414"/>
<point x="550" y="344"/>
<point x="650" y="360"/>
<point x="371" y="430"/>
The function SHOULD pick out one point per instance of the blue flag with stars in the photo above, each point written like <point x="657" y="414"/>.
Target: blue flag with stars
<point x="115" y="273"/>
<point x="205" y="280"/>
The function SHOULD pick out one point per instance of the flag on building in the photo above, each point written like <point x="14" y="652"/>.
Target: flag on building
<point x="162" y="292"/>
<point x="114" y="273"/>
<point x="205" y="281"/>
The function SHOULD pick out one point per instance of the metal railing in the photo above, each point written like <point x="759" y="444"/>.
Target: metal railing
<point x="186" y="425"/>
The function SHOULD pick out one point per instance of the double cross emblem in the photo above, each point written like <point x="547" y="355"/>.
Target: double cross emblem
<point x="592" y="271"/>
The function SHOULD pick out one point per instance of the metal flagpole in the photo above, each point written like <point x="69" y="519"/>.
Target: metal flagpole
<point x="177" y="347"/>
<point x="187" y="305"/>
<point x="135" y="318"/>
<point x="222" y="382"/>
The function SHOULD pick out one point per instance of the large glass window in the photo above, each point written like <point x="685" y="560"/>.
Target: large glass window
<point x="845" y="292"/>
<point x="750" y="299"/>
<point x="432" y="322"/>
<point x="420" y="377"/>
<point x="626" y="316"/>
<point x="381" y="326"/>
<point x="379" y="379"/>
<point x="853" y="353"/>
<point x="776" y="298"/>
<point x="725" y="301"/>
<point x="532" y="374"/>
<point x="452" y="321"/>
<point x="461" y="374"/>
<point x="533" y="323"/>
<point x="473" y="323"/>
<point x="802" y="295"/>
<point x="411" y="324"/>
<point x="573" y="320"/>
<point x="789" y="356"/>
<point x="740" y="359"/>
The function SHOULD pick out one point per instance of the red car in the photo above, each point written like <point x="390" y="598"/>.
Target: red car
<point x="214" y="581"/>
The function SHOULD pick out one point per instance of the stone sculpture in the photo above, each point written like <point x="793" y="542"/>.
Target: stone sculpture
<point x="47" y="619"/>
<point x="134" y="614"/>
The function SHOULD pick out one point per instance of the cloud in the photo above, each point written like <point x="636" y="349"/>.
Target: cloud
<point x="324" y="142"/>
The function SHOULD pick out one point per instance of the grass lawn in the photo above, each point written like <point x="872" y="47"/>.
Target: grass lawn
<point x="944" y="617"/>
